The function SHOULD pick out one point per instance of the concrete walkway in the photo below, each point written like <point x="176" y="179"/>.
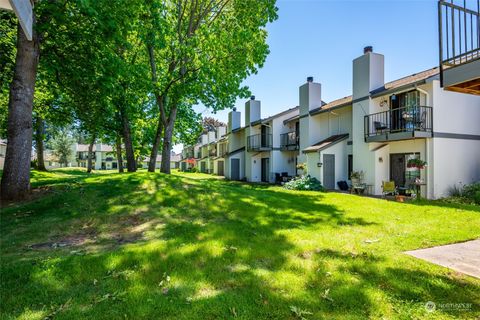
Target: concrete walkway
<point x="462" y="257"/>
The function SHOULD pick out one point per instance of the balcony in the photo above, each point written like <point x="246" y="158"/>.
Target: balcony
<point x="459" y="46"/>
<point x="259" y="142"/>
<point x="212" y="152"/>
<point x="289" y="141"/>
<point x="399" y="124"/>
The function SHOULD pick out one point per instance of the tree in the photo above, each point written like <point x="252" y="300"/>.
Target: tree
<point x="208" y="123"/>
<point x="202" y="52"/>
<point x="62" y="147"/>
<point x="15" y="182"/>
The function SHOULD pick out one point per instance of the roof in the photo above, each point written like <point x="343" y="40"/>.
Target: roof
<point x="414" y="79"/>
<point x="275" y="116"/>
<point x="326" y="143"/>
<point x="173" y="158"/>
<point x="335" y="104"/>
<point x="103" y="148"/>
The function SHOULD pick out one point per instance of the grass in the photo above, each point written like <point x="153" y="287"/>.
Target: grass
<point x="190" y="246"/>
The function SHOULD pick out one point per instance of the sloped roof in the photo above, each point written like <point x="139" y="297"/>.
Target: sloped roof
<point x="335" y="104"/>
<point x="276" y="115"/>
<point x="326" y="143"/>
<point x="412" y="79"/>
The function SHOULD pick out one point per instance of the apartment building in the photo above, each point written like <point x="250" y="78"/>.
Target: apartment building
<point x="377" y="130"/>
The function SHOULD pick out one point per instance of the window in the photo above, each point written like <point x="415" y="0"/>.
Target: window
<point x="350" y="166"/>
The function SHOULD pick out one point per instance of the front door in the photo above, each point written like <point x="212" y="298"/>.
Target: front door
<point x="397" y="169"/>
<point x="203" y="166"/>
<point x="235" y="169"/>
<point x="265" y="169"/>
<point x="220" y="170"/>
<point x="329" y="171"/>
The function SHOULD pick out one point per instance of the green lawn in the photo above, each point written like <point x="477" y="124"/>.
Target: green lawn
<point x="190" y="246"/>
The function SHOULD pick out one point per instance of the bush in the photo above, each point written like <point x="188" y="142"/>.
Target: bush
<point x="304" y="182"/>
<point x="469" y="194"/>
<point x="472" y="192"/>
<point x="194" y="169"/>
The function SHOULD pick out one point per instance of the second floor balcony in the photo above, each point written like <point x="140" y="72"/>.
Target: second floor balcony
<point x="459" y="45"/>
<point x="399" y="124"/>
<point x="289" y="141"/>
<point x="259" y="142"/>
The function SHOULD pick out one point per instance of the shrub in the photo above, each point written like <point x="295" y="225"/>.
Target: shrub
<point x="469" y="194"/>
<point x="304" y="182"/>
<point x="472" y="192"/>
<point x="194" y="169"/>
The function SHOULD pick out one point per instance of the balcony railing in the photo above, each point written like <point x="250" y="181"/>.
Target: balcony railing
<point x="459" y="31"/>
<point x="289" y="141"/>
<point x="213" y="152"/>
<point x="259" y="142"/>
<point x="399" y="124"/>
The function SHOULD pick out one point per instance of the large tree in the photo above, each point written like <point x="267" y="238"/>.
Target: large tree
<point x="200" y="52"/>
<point x="15" y="182"/>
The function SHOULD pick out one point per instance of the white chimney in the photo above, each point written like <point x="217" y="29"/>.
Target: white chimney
<point x="252" y="110"/>
<point x="368" y="73"/>
<point x="233" y="120"/>
<point x="221" y="131"/>
<point x="310" y="96"/>
<point x="211" y="136"/>
<point x="204" y="139"/>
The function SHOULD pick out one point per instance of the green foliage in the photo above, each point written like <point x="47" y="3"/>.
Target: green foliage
<point x="304" y="182"/>
<point x="468" y="194"/>
<point x="62" y="147"/>
<point x="190" y="246"/>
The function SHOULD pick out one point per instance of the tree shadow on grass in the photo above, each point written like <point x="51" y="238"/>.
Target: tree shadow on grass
<point x="209" y="249"/>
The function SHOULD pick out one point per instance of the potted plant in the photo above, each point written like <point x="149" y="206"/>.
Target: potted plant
<point x="356" y="177"/>
<point x="416" y="164"/>
<point x="302" y="167"/>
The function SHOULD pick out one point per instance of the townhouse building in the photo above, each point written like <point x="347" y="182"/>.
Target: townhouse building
<point x="377" y="131"/>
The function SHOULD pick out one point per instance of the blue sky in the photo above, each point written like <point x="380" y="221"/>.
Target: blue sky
<point x="320" y="38"/>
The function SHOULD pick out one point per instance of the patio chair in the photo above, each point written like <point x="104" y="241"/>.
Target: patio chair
<point x="379" y="126"/>
<point x="421" y="121"/>
<point x="388" y="187"/>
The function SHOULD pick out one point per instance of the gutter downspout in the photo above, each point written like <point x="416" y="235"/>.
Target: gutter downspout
<point x="428" y="174"/>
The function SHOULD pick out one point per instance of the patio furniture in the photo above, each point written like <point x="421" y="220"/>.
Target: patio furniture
<point x="388" y="188"/>
<point x="379" y="126"/>
<point x="358" y="188"/>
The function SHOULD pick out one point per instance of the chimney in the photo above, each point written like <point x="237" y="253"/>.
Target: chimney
<point x="204" y="139"/>
<point x="310" y="96"/>
<point x="211" y="136"/>
<point x="233" y="120"/>
<point x="252" y="110"/>
<point x="221" y="132"/>
<point x="367" y="49"/>
<point x="368" y="73"/>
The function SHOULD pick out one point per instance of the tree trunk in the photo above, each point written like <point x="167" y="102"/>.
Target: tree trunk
<point x="127" y="140"/>
<point x="167" y="141"/>
<point x="156" y="145"/>
<point x="90" y="154"/>
<point x="119" y="153"/>
<point x="16" y="173"/>
<point x="39" y="134"/>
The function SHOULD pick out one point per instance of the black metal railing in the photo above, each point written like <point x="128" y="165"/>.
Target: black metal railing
<point x="459" y="32"/>
<point x="213" y="152"/>
<point x="289" y="141"/>
<point x="259" y="142"/>
<point x="222" y="151"/>
<point x="406" y="119"/>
